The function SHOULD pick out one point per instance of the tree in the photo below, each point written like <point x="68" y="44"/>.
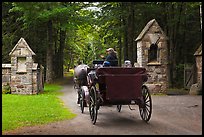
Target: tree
<point x="59" y="17"/>
<point x="68" y="32"/>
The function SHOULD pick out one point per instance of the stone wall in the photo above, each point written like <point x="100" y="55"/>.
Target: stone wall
<point x="34" y="82"/>
<point x="21" y="79"/>
<point x="199" y="68"/>
<point x="139" y="53"/>
<point x="21" y="85"/>
<point x="158" y="79"/>
<point x="6" y="74"/>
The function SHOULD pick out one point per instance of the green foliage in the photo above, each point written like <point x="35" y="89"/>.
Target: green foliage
<point x="179" y="80"/>
<point x="6" y="89"/>
<point x="90" y="32"/>
<point x="28" y="110"/>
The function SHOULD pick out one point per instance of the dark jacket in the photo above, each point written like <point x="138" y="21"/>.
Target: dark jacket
<point x="112" y="58"/>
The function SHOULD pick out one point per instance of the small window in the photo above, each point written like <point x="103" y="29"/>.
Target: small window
<point x="152" y="57"/>
<point x="21" y="64"/>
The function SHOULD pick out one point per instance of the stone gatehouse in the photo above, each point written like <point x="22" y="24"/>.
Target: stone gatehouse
<point x="198" y="57"/>
<point x="23" y="75"/>
<point x="152" y="54"/>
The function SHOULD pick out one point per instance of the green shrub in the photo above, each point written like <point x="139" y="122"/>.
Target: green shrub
<point x="6" y="89"/>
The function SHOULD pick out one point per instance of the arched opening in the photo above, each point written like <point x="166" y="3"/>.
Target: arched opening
<point x="152" y="55"/>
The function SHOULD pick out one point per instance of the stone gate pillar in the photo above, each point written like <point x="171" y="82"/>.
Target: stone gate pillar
<point x="21" y="68"/>
<point x="152" y="54"/>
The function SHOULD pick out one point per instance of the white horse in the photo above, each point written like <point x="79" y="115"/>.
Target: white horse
<point x="80" y="73"/>
<point x="80" y="78"/>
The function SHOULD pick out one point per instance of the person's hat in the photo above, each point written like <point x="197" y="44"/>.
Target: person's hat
<point x="110" y="49"/>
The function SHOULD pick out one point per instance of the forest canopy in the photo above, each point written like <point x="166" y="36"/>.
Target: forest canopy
<point x="64" y="33"/>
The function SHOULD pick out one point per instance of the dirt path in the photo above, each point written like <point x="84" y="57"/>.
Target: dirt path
<point x="172" y="115"/>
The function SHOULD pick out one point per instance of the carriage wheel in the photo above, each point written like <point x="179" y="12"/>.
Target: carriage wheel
<point x="93" y="105"/>
<point x="82" y="103"/>
<point x="119" y="108"/>
<point x="145" y="107"/>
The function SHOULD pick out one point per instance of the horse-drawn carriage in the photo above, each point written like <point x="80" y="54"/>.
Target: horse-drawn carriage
<point x="115" y="86"/>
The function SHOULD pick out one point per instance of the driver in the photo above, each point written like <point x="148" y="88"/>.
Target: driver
<point x="111" y="57"/>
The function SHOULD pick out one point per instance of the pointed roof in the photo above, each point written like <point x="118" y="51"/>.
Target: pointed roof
<point x="146" y="28"/>
<point x="22" y="40"/>
<point x="198" y="51"/>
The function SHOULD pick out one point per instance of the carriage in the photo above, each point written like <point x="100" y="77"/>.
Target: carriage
<point x="116" y="86"/>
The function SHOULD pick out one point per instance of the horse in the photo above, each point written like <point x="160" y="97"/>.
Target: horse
<point x="80" y="78"/>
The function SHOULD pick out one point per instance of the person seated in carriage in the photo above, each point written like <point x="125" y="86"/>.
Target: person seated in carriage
<point x="111" y="59"/>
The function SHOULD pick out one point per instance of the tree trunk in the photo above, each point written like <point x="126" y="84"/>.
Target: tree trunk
<point x="177" y="50"/>
<point x="178" y="47"/>
<point x="132" y="46"/>
<point x="55" y="55"/>
<point x="125" y="32"/>
<point x="61" y="53"/>
<point x="120" y="51"/>
<point x="184" y="38"/>
<point x="125" y="49"/>
<point x="169" y="30"/>
<point x="49" y="56"/>
<point x="120" y="41"/>
<point x="201" y="16"/>
<point x="129" y="33"/>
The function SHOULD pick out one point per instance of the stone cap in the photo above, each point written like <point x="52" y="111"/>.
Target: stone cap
<point x="6" y="65"/>
<point x="35" y="65"/>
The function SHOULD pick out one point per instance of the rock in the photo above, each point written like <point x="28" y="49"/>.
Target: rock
<point x="195" y="89"/>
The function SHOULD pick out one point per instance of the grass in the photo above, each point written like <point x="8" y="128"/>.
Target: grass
<point x="28" y="110"/>
<point x="70" y="73"/>
<point x="177" y="91"/>
<point x="158" y="94"/>
<point x="173" y="91"/>
<point x="68" y="77"/>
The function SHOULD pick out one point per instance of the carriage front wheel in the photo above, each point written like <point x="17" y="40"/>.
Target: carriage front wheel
<point x="145" y="107"/>
<point x="93" y="108"/>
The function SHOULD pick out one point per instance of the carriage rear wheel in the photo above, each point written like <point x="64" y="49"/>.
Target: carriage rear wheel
<point x="93" y="104"/>
<point x="145" y="107"/>
<point x="82" y="102"/>
<point x="118" y="108"/>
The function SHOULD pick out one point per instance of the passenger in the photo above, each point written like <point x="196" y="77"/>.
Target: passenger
<point x="127" y="64"/>
<point x="111" y="57"/>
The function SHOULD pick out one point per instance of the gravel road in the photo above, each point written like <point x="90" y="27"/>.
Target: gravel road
<point x="172" y="115"/>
